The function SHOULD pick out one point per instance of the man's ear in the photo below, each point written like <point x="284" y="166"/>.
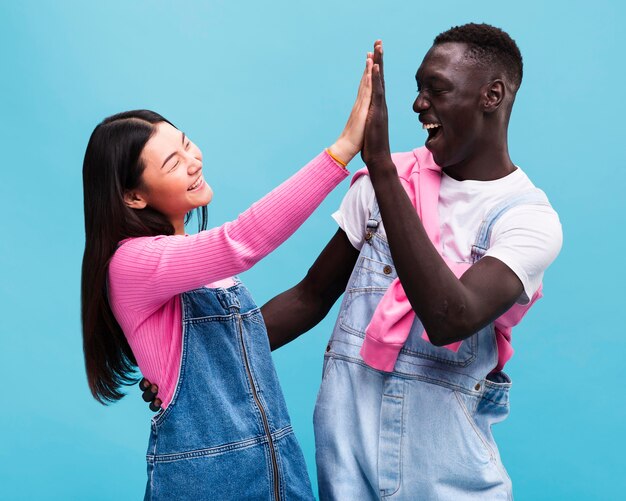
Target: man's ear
<point x="493" y="95"/>
<point x="134" y="200"/>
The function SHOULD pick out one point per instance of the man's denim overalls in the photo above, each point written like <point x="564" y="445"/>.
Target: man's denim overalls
<point x="226" y="434"/>
<point x="423" y="431"/>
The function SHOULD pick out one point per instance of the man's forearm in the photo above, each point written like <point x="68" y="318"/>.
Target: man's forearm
<point x="436" y="295"/>
<point x="292" y="313"/>
<point x="302" y="307"/>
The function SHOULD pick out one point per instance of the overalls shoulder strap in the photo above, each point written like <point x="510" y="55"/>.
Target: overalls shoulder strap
<point x="483" y="237"/>
<point x="420" y="177"/>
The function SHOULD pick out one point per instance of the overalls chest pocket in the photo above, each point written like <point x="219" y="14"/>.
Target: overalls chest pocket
<point x="369" y="282"/>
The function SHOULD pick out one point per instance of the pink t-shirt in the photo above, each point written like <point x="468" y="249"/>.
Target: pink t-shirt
<point x="147" y="274"/>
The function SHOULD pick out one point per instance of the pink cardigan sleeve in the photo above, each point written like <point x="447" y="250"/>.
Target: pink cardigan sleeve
<point x="146" y="272"/>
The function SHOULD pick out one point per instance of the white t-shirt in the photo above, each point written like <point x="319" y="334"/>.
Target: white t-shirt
<point x="527" y="238"/>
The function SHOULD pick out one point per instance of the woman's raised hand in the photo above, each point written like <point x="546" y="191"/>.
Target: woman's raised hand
<point x="350" y="140"/>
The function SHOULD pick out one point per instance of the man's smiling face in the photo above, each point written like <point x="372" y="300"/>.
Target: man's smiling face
<point x="449" y="103"/>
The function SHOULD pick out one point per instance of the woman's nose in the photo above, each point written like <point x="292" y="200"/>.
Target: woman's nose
<point x="194" y="164"/>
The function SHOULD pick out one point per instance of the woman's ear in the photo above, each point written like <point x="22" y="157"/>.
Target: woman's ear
<point x="134" y="200"/>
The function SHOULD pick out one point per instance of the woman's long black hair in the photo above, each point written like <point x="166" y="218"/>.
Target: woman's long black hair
<point x="111" y="167"/>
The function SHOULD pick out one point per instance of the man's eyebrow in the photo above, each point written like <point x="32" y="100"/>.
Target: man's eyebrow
<point x="432" y="78"/>
<point x="172" y="154"/>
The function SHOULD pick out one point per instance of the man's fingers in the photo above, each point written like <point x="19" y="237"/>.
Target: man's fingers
<point x="378" y="55"/>
<point x="144" y="384"/>
<point x="378" y="89"/>
<point x="150" y="393"/>
<point x="155" y="405"/>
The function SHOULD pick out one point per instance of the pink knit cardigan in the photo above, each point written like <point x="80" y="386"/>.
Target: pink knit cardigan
<point x="391" y="323"/>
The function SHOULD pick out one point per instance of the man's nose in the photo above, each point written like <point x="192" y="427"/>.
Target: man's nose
<point x="421" y="103"/>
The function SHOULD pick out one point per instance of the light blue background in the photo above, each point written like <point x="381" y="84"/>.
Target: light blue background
<point x="262" y="87"/>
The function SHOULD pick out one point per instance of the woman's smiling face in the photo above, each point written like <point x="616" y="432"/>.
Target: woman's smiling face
<point x="172" y="181"/>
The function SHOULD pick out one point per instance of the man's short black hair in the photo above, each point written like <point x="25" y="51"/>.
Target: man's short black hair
<point x="488" y="46"/>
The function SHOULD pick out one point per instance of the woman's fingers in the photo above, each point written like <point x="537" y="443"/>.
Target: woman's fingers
<point x="350" y="141"/>
<point x="365" y="85"/>
<point x="364" y="93"/>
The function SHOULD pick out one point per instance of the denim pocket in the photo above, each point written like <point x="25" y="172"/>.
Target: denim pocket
<point x="328" y="365"/>
<point x="368" y="285"/>
<point x="373" y="274"/>
<point x="417" y="346"/>
<point x="467" y="406"/>
<point x="327" y="369"/>
<point x="256" y="317"/>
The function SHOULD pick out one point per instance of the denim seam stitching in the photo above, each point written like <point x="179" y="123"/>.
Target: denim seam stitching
<point x="401" y="440"/>
<point x="417" y="354"/>
<point x="490" y="451"/>
<point x="418" y="377"/>
<point x="494" y="458"/>
<point x="221" y="449"/>
<point x="365" y="264"/>
<point x="158" y="419"/>
<point x="494" y="402"/>
<point x="249" y="381"/>
<point x="220" y="318"/>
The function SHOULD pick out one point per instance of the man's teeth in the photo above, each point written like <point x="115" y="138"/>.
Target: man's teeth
<point x="196" y="184"/>
<point x="430" y="126"/>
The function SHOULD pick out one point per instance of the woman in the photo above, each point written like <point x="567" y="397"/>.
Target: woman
<point x="167" y="302"/>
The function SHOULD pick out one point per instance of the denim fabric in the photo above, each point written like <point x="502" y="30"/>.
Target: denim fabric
<point x="423" y="431"/>
<point x="226" y="434"/>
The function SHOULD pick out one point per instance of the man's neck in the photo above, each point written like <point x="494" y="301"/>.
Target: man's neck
<point x="490" y="164"/>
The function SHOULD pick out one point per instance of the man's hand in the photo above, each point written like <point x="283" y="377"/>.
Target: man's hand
<point x="150" y="394"/>
<point x="376" y="152"/>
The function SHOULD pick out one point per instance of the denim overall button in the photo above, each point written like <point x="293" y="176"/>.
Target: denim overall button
<point x="387" y="270"/>
<point x="327" y="348"/>
<point x="477" y="387"/>
<point x="368" y="236"/>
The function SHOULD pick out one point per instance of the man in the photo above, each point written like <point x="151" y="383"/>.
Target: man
<point x="420" y="429"/>
<point x="412" y="375"/>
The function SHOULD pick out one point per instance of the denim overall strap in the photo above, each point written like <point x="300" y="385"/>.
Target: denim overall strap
<point x="226" y="434"/>
<point x="375" y="214"/>
<point x="483" y="238"/>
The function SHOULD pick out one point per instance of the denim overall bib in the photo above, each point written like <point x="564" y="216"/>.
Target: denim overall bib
<point x="226" y="434"/>
<point x="423" y="431"/>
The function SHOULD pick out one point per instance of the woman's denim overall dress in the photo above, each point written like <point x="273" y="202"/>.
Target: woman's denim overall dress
<point x="423" y="431"/>
<point x="226" y="434"/>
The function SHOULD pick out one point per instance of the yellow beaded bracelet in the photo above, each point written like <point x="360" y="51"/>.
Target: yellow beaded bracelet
<point x="340" y="162"/>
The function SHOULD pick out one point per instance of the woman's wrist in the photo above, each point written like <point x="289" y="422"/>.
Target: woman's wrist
<point x="342" y="151"/>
